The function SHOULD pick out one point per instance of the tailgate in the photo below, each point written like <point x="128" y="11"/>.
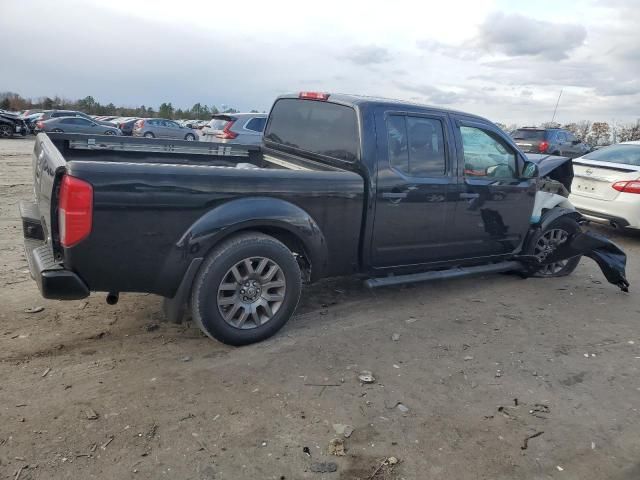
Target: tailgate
<point x="48" y="164"/>
<point x="595" y="179"/>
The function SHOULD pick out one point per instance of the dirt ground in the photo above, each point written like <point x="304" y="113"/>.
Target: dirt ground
<point x="465" y="371"/>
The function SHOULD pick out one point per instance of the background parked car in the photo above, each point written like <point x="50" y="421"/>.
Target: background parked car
<point x="606" y="185"/>
<point x="76" y="125"/>
<point x="73" y="113"/>
<point x="126" y="124"/>
<point x="241" y="128"/>
<point x="11" y="124"/>
<point x="554" y="141"/>
<point x="31" y="120"/>
<point x="162" y="128"/>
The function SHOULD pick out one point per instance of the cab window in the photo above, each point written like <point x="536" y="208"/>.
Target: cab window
<point x="416" y="145"/>
<point x="486" y="154"/>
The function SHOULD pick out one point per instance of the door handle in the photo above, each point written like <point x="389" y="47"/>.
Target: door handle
<point x="469" y="195"/>
<point x="394" y="195"/>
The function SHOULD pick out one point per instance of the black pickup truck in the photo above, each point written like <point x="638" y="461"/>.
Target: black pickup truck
<point x="342" y="185"/>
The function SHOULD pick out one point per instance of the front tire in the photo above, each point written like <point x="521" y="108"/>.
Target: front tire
<point x="554" y="235"/>
<point x="149" y="135"/>
<point x="6" y="131"/>
<point x="190" y="137"/>
<point x="246" y="290"/>
<point x="109" y="132"/>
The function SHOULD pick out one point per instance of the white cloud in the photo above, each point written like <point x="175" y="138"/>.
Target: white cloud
<point x="508" y="64"/>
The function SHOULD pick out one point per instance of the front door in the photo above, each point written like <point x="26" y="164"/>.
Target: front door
<point x="415" y="176"/>
<point x="494" y="204"/>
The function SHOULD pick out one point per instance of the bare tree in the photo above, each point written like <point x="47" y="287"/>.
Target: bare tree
<point x="600" y="134"/>
<point x="628" y="133"/>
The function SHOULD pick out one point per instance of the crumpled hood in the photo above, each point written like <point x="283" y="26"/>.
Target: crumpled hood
<point x="547" y="163"/>
<point x="554" y="167"/>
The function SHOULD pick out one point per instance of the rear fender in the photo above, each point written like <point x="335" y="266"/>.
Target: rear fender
<point x="261" y="214"/>
<point x="264" y="214"/>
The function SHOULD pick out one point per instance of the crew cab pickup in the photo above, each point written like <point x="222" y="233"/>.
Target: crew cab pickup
<point x="342" y="185"/>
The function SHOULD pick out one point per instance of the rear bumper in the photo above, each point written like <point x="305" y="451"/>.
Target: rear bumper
<point x="624" y="211"/>
<point x="53" y="280"/>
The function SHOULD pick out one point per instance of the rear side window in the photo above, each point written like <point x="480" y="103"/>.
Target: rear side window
<point x="317" y="127"/>
<point x="526" y="134"/>
<point x="256" y="124"/>
<point x="416" y="145"/>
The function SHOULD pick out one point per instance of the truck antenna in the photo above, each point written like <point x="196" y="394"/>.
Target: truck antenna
<point x="556" y="109"/>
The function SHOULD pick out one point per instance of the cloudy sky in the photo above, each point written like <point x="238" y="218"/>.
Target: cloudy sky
<point x="504" y="59"/>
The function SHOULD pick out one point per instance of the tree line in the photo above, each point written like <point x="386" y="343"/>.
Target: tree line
<point x="200" y="111"/>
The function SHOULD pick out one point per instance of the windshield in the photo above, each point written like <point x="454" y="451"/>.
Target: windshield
<point x="621" y="153"/>
<point x="524" y="134"/>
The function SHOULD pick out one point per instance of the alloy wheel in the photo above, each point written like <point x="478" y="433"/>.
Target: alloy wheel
<point x="251" y="292"/>
<point x="546" y="245"/>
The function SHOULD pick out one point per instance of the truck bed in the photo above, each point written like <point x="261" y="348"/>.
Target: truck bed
<point x="153" y="197"/>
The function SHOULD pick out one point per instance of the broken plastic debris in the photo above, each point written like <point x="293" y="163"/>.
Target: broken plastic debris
<point x="366" y="377"/>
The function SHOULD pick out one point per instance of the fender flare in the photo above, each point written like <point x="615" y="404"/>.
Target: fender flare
<point x="257" y="213"/>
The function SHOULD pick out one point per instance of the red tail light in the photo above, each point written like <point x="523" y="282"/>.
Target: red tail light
<point x="227" y="134"/>
<point x="632" y="186"/>
<point x="542" y="148"/>
<point x="75" y="210"/>
<point x="314" y="96"/>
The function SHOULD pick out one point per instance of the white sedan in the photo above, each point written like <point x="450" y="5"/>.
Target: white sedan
<point x="606" y="185"/>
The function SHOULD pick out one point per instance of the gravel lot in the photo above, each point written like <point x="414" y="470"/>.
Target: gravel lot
<point x="465" y="371"/>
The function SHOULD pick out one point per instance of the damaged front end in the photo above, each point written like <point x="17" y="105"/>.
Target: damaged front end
<point x="551" y="203"/>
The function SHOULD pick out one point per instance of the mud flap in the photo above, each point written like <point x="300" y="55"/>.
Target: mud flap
<point x="609" y="257"/>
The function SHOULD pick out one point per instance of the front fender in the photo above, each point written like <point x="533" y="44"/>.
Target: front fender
<point x="257" y="213"/>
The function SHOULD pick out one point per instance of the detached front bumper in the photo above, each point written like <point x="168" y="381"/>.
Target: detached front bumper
<point x="53" y="280"/>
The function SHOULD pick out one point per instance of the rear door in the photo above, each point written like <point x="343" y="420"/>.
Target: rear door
<point x="415" y="178"/>
<point x="493" y="204"/>
<point x="82" y="125"/>
<point x="173" y="129"/>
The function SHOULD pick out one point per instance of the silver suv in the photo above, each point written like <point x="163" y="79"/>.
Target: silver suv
<point x="163" y="128"/>
<point x="241" y="128"/>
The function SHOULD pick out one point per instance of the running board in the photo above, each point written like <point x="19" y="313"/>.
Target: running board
<point x="456" y="272"/>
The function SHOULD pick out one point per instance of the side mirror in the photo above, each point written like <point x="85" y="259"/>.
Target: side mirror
<point x="530" y="170"/>
<point x="576" y="142"/>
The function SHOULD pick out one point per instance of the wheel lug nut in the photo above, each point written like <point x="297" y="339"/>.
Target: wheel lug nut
<point x="242" y="291"/>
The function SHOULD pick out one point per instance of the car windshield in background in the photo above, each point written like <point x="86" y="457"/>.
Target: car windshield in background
<point x="316" y="127"/>
<point x="525" y="134"/>
<point x="621" y="153"/>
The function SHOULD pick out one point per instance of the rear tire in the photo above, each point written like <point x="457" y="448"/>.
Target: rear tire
<point x="190" y="137"/>
<point x="109" y="132"/>
<point x="246" y="290"/>
<point x="556" y="233"/>
<point x="149" y="135"/>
